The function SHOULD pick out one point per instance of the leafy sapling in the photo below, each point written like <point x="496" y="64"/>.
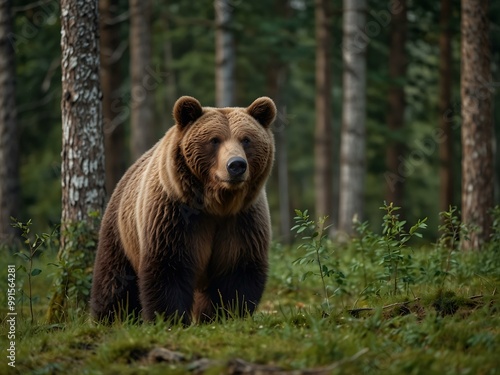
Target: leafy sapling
<point x="397" y="259"/>
<point x="316" y="250"/>
<point x="452" y="230"/>
<point x="33" y="246"/>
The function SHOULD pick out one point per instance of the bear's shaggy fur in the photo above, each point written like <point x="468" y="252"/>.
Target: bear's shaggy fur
<point x="187" y="230"/>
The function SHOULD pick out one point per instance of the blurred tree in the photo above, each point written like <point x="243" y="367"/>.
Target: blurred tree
<point x="9" y="140"/>
<point x="277" y="76"/>
<point x="352" y="160"/>
<point x="225" y="56"/>
<point x="396" y="112"/>
<point x="477" y="124"/>
<point x="323" y="155"/>
<point x="142" y="135"/>
<point x="445" y="123"/>
<point x="111" y="79"/>
<point x="82" y="170"/>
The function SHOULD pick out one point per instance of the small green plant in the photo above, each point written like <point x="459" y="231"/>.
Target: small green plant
<point x="315" y="249"/>
<point x="397" y="259"/>
<point x="33" y="246"/>
<point x="452" y="231"/>
<point x="495" y="233"/>
<point x="73" y="277"/>
<point x="364" y="244"/>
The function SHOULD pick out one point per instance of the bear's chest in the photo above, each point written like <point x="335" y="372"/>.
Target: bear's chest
<point x="217" y="247"/>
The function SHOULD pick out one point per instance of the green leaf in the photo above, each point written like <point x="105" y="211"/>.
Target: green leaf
<point x="22" y="255"/>
<point x="36" y="272"/>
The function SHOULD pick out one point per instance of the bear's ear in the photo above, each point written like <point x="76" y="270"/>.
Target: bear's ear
<point x="263" y="110"/>
<point x="186" y="111"/>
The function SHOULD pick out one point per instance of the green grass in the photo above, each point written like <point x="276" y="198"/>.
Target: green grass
<point x="430" y="326"/>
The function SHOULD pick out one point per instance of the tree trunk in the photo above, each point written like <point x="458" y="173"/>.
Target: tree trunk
<point x="445" y="74"/>
<point x="9" y="140"/>
<point x="142" y="77"/>
<point x="352" y="160"/>
<point x="277" y="77"/>
<point x="477" y="124"/>
<point x="395" y="115"/>
<point x="82" y="168"/>
<point x="111" y="78"/>
<point x="225" y="55"/>
<point x="171" y="82"/>
<point x="323" y="156"/>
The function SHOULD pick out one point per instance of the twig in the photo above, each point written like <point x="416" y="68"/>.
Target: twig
<point x="478" y="296"/>
<point x="399" y="304"/>
<point x="355" y="311"/>
<point x="120" y="18"/>
<point x="36" y="4"/>
<point x="239" y="366"/>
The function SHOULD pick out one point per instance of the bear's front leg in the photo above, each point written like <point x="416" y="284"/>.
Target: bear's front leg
<point x="236" y="292"/>
<point x="166" y="288"/>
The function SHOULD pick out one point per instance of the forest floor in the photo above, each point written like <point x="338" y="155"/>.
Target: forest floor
<point x="439" y="315"/>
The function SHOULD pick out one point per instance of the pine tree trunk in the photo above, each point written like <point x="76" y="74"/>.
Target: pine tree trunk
<point x="323" y="155"/>
<point x="277" y="77"/>
<point x="9" y="141"/>
<point x="445" y="74"/>
<point x="171" y="81"/>
<point x="141" y="119"/>
<point x="477" y="124"/>
<point x="82" y="168"/>
<point x="395" y="116"/>
<point x="352" y="160"/>
<point x="225" y="55"/>
<point x="114" y="129"/>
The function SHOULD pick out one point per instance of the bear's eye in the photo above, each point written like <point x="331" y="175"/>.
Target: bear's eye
<point x="245" y="141"/>
<point x="215" y="141"/>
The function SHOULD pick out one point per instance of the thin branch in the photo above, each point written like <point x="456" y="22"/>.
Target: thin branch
<point x="36" y="4"/>
<point x="476" y="297"/>
<point x="120" y="18"/>
<point x="355" y="311"/>
<point x="56" y="63"/>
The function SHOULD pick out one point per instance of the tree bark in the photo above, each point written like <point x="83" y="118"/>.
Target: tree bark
<point x="323" y="156"/>
<point x="277" y="77"/>
<point x="477" y="124"/>
<point x="225" y="56"/>
<point x="445" y="74"/>
<point x="111" y="79"/>
<point x="82" y="168"/>
<point x="352" y="160"/>
<point x="9" y="140"/>
<point x="396" y="98"/>
<point x="141" y="120"/>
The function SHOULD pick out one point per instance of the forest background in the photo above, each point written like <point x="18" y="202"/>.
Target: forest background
<point x="274" y="52"/>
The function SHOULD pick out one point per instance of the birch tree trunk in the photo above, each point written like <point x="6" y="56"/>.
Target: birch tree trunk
<point x="111" y="78"/>
<point x="323" y="155"/>
<point x="225" y="55"/>
<point x="477" y="124"/>
<point x="396" y="98"/>
<point x="445" y="74"/>
<point x="141" y="119"/>
<point x="9" y="141"/>
<point x="352" y="159"/>
<point x="82" y="168"/>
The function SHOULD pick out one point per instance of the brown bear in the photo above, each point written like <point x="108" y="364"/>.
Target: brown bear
<point x="187" y="230"/>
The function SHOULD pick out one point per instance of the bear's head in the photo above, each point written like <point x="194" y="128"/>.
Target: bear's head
<point x="223" y="155"/>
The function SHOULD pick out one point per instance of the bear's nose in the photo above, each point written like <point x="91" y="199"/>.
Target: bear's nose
<point x="236" y="166"/>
